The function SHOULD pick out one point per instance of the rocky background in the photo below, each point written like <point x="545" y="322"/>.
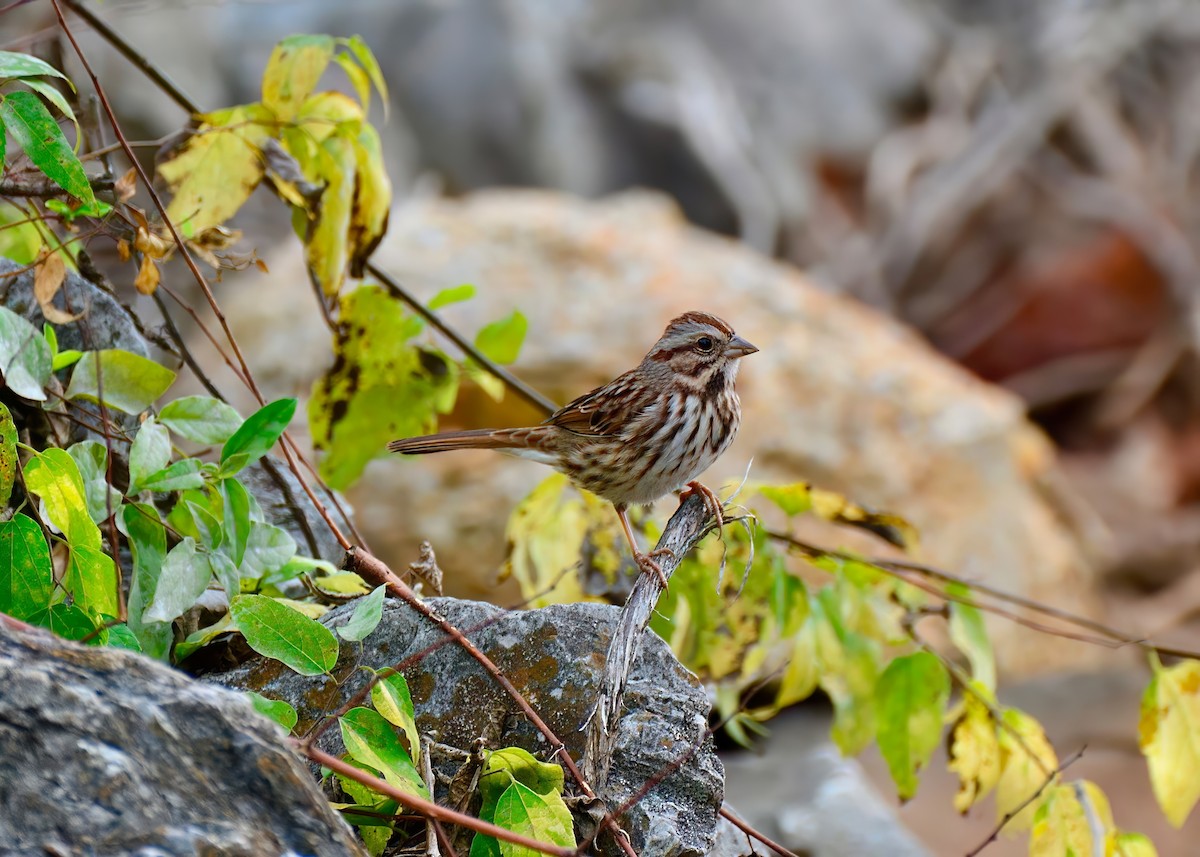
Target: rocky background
<point x="964" y="234"/>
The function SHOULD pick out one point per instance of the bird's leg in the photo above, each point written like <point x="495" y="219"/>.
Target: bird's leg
<point x="645" y="561"/>
<point x="711" y="500"/>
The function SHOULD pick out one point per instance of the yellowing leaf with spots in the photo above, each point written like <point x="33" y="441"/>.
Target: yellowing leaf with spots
<point x="328" y="250"/>
<point x="381" y="386"/>
<point x="1065" y="820"/>
<point x="547" y="533"/>
<point x="1169" y="735"/>
<point x="296" y="65"/>
<point x="800" y="498"/>
<point x="1027" y="761"/>
<point x="216" y="170"/>
<point x="974" y="751"/>
<point x="372" y="199"/>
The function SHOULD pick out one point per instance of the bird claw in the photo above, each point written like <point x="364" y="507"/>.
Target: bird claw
<point x="711" y="500"/>
<point x="646" y="562"/>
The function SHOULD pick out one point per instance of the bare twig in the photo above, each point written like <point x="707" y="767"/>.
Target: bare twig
<point x="428" y="808"/>
<point x="13" y="187"/>
<point x="741" y="825"/>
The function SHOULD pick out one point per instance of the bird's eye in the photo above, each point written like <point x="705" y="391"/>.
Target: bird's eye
<point x="705" y="343"/>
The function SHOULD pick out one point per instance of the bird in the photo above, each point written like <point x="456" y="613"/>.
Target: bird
<point x="647" y="433"/>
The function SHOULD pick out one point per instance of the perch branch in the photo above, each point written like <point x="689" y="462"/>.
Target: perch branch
<point x="741" y="825"/>
<point x="14" y="187"/>
<point x="685" y="528"/>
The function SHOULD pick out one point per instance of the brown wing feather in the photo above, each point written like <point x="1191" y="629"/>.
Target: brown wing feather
<point x="600" y="413"/>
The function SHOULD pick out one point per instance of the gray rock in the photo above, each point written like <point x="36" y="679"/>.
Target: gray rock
<point x="553" y="656"/>
<point x="801" y="792"/>
<point x="104" y="752"/>
<point x="104" y="324"/>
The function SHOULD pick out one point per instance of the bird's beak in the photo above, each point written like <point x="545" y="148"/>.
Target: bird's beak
<point x="739" y="347"/>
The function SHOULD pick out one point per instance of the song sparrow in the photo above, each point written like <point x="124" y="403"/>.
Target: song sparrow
<point x="643" y="435"/>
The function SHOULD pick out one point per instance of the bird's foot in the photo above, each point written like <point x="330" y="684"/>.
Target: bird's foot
<point x="648" y="562"/>
<point x="711" y="500"/>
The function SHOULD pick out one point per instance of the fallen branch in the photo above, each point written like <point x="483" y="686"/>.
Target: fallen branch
<point x="685" y="528"/>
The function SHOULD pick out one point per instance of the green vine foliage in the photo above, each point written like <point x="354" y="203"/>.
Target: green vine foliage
<point x="764" y="619"/>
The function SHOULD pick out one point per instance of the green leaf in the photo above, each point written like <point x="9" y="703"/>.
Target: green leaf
<point x="543" y="817"/>
<point x="372" y="199"/>
<point x="179" y="476"/>
<point x="149" y="454"/>
<point x="24" y="357"/>
<point x="275" y="709"/>
<point x="92" y="460"/>
<point x="66" y="620"/>
<point x="969" y="635"/>
<point x="14" y="65"/>
<point x="20" y="239"/>
<point x="358" y="77"/>
<point x="26" y="575"/>
<point x="259" y="433"/>
<point x="849" y="669"/>
<point x="8" y="454"/>
<point x="236" y="505"/>
<point x="51" y="93"/>
<point x="63" y="359"/>
<point x="277" y="631"/>
<point x="292" y="72"/>
<point x="121" y="637"/>
<point x="225" y="572"/>
<point x="911" y="697"/>
<point x="201" y="419"/>
<point x="36" y="131"/>
<point x="381" y="386"/>
<point x="365" y="618"/>
<point x="452" y="295"/>
<point x="91" y="579"/>
<point x="129" y="382"/>
<point x="148" y="541"/>
<point x="54" y="477"/>
<point x="501" y="340"/>
<point x="370" y="739"/>
<point x="185" y="576"/>
<point x="391" y="698"/>
<point x="366" y="58"/>
<point x="268" y="548"/>
<point x="515" y="765"/>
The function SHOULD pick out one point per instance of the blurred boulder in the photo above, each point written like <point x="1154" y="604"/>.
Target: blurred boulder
<point x="105" y="752"/>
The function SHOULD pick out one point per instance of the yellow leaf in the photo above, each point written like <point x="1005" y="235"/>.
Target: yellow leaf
<point x="342" y="583"/>
<point x="1169" y="735"/>
<point x="296" y="65"/>
<point x="328" y="250"/>
<point x="1122" y="844"/>
<point x="308" y="608"/>
<point x="1027" y="762"/>
<point x="372" y="199"/>
<point x="1061" y="827"/>
<point x="216" y="170"/>
<point x="148" y="276"/>
<point x="974" y="752"/>
<point x="546" y="534"/>
<point x="326" y="114"/>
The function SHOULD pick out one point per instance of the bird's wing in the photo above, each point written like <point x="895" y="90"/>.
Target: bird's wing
<point x="602" y="412"/>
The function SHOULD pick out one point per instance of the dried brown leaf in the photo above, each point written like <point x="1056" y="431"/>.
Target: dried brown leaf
<point x="148" y="276"/>
<point x="126" y="186"/>
<point x="47" y="280"/>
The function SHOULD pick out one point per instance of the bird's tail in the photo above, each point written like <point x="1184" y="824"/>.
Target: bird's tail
<point x="473" y="439"/>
